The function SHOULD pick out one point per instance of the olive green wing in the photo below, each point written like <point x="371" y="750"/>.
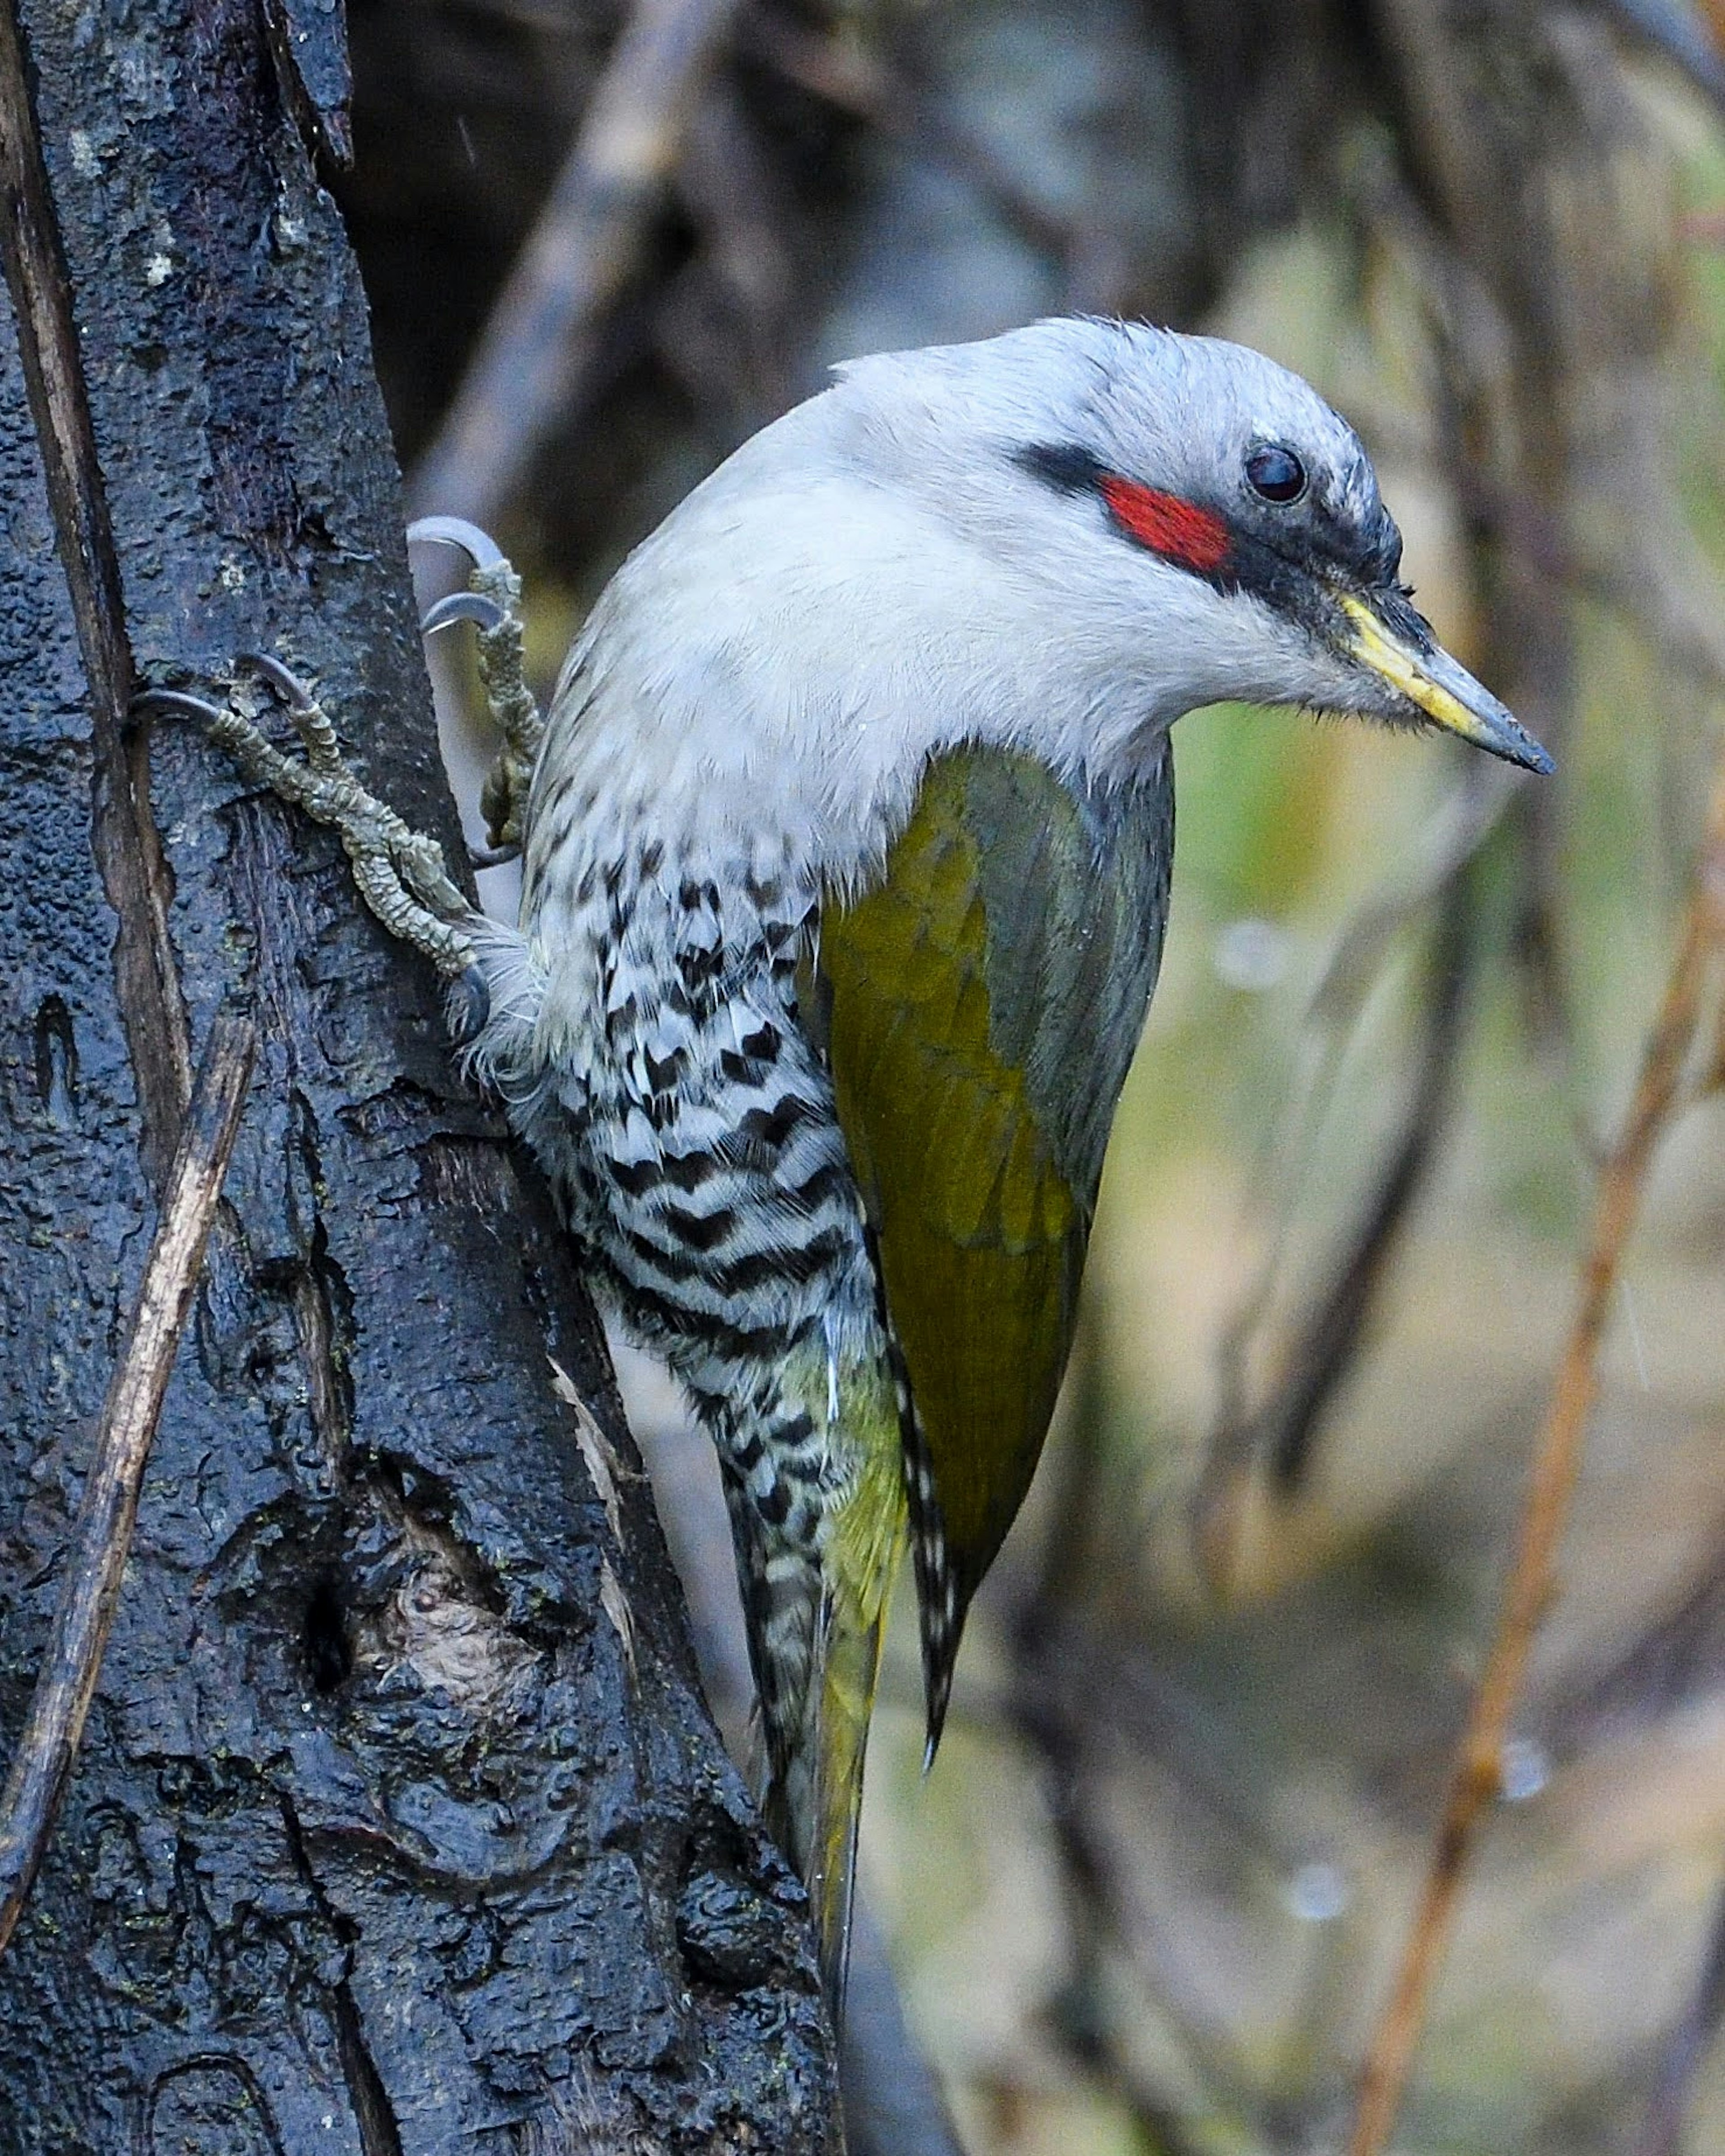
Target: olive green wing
<point x="981" y="1006"/>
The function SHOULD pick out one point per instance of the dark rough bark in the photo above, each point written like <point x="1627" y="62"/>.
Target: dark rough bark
<point x="398" y="1827"/>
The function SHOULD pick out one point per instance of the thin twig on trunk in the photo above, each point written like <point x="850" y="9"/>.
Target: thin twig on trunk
<point x="1556" y="1459"/>
<point x="96" y="1562"/>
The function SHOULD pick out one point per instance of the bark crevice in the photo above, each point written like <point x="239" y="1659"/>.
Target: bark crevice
<point x="123" y="833"/>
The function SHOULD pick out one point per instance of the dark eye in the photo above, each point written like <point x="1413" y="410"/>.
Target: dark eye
<point x="1276" y="474"/>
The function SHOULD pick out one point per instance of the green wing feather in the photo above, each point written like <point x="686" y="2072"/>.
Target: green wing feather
<point x="982" y="1004"/>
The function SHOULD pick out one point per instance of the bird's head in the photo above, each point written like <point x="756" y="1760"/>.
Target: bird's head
<point x="1186" y="509"/>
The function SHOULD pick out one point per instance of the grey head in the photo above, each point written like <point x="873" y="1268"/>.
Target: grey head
<point x="1145" y="481"/>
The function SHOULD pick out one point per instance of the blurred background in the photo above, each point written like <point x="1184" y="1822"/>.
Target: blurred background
<point x="1151" y="1897"/>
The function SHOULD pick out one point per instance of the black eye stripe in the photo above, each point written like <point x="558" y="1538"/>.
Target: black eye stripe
<point x="1276" y="473"/>
<point x="1352" y="535"/>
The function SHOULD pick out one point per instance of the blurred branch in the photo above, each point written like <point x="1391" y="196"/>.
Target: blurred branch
<point x="1648" y="567"/>
<point x="1092" y="1899"/>
<point x="94" y="1566"/>
<point x="1476" y="1780"/>
<point x="893" y="2105"/>
<point x="874" y="90"/>
<point x="1696" y="47"/>
<point x="1280" y="1434"/>
<point x="1552" y="304"/>
<point x="1509" y="507"/>
<point x="1674" y="1661"/>
<point x="1321" y="1360"/>
<point x="1663" y="2129"/>
<point x="1677" y="1659"/>
<point x="1075" y="1698"/>
<point x="539" y="345"/>
<point x="725" y="326"/>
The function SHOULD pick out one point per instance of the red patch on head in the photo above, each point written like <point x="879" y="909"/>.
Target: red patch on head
<point x="1179" y="531"/>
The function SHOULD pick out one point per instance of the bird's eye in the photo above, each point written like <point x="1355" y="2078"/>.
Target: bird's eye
<point x="1276" y="474"/>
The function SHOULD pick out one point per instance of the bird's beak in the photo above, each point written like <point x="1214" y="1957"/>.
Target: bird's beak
<point x="1423" y="672"/>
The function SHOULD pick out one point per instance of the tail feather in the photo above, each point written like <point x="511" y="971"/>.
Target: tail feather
<point x="813" y="1799"/>
<point x="851" y="1670"/>
<point x="815" y="1597"/>
<point x="813" y="1805"/>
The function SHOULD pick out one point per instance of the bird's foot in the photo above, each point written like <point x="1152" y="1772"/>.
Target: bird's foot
<point x="401" y="873"/>
<point x="492" y="602"/>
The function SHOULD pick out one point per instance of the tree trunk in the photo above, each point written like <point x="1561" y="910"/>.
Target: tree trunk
<point x="400" y="1824"/>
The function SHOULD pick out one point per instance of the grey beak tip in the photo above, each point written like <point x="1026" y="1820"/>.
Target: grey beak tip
<point x="1505" y="736"/>
<point x="1525" y="752"/>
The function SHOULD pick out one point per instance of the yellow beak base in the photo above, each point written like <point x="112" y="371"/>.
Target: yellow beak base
<point x="1439" y="690"/>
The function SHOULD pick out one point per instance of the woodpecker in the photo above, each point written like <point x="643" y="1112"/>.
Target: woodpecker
<point x="846" y="872"/>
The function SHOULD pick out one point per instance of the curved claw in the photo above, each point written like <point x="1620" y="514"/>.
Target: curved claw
<point x="177" y="699"/>
<point x="480" y="547"/>
<point x="492" y="857"/>
<point x="461" y="606"/>
<point x="280" y="678"/>
<point x="469" y="1004"/>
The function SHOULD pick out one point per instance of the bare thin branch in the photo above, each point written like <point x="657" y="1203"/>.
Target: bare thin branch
<point x="1277" y="1437"/>
<point x="54" y="1726"/>
<point x="893" y="2105"/>
<point x="869" y="85"/>
<point x="1557" y="1457"/>
<point x="1673" y="30"/>
<point x="541" y="341"/>
<point x="1663" y="2129"/>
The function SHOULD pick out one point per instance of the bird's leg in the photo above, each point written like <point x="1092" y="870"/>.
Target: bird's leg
<point x="400" y="872"/>
<point x="492" y="602"/>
